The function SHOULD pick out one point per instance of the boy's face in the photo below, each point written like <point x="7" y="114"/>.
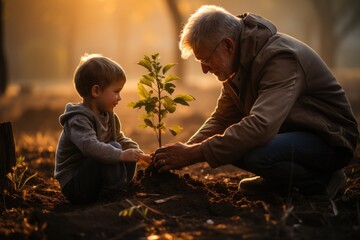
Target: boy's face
<point x="109" y="97"/>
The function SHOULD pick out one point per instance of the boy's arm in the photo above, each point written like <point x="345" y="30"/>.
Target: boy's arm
<point x="82" y="134"/>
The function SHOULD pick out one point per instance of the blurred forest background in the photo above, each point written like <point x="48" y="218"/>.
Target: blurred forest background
<point x="41" y="42"/>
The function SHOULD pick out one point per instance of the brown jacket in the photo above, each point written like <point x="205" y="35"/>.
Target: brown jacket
<point x="282" y="85"/>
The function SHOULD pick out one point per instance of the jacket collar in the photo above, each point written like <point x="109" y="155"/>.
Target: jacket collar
<point x="255" y="32"/>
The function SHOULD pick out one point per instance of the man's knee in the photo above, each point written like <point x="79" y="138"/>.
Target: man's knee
<point x="253" y="161"/>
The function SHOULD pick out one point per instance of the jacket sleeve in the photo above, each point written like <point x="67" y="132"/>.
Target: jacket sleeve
<point x="83" y="135"/>
<point x="279" y="86"/>
<point x="225" y="114"/>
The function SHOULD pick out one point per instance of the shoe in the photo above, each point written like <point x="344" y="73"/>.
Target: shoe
<point x="336" y="183"/>
<point x="259" y="185"/>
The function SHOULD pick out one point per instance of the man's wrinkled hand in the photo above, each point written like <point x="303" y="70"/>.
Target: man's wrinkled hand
<point x="176" y="156"/>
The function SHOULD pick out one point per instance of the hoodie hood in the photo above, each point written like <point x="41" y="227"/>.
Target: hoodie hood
<point x="76" y="109"/>
<point x="73" y="111"/>
<point x="255" y="32"/>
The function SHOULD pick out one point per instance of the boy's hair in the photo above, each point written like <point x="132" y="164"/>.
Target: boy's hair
<point x="95" y="69"/>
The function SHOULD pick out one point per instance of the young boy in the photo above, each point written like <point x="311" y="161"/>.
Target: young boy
<point x="94" y="160"/>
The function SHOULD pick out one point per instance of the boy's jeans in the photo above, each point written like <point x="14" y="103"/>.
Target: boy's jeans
<point x="296" y="159"/>
<point x="98" y="181"/>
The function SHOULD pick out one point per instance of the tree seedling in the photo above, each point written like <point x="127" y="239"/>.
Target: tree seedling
<point x="155" y="90"/>
<point x="17" y="175"/>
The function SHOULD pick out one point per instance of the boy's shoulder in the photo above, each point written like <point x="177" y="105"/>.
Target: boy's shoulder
<point x="76" y="111"/>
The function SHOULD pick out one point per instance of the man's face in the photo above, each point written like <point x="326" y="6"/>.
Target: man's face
<point x="217" y="59"/>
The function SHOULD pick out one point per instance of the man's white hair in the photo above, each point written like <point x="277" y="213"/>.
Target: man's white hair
<point x="209" y="24"/>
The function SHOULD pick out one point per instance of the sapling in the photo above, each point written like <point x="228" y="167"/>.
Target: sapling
<point x="17" y="175"/>
<point x="155" y="90"/>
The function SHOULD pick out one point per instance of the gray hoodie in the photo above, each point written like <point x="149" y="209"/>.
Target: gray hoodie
<point x="79" y="141"/>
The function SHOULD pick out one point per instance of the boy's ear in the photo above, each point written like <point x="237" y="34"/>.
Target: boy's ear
<point x="95" y="90"/>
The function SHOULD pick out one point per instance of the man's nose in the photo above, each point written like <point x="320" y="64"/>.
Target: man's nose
<point x="205" y="68"/>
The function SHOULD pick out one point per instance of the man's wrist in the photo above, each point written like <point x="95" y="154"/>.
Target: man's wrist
<point x="196" y="153"/>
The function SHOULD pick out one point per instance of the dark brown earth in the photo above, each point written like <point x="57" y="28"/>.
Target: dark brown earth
<point x="195" y="203"/>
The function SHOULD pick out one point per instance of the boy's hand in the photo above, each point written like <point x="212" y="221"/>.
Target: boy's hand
<point x="130" y="155"/>
<point x="145" y="159"/>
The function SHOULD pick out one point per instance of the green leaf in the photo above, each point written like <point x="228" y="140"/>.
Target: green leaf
<point x="175" y="129"/>
<point x="161" y="126"/>
<point x="169" y="104"/>
<point x="183" y="99"/>
<point x="138" y="104"/>
<point x="150" y="106"/>
<point x="143" y="93"/>
<point x="167" y="67"/>
<point x="148" y="122"/>
<point x="155" y="56"/>
<point x="169" y="87"/>
<point x="163" y="113"/>
<point x="170" y="78"/>
<point x="149" y="77"/>
<point x="131" y="104"/>
<point x="146" y="81"/>
<point x="186" y="97"/>
<point x="146" y="64"/>
<point x="143" y="116"/>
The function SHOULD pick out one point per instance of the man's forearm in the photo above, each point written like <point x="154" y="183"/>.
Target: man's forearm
<point x="195" y="154"/>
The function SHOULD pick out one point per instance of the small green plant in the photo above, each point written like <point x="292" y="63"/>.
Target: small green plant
<point x="17" y="175"/>
<point x="155" y="90"/>
<point x="128" y="212"/>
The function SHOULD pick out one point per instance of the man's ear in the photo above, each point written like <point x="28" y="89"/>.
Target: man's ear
<point x="95" y="91"/>
<point x="229" y="44"/>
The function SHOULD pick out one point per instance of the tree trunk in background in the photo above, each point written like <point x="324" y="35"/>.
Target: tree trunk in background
<point x="177" y="20"/>
<point x="329" y="40"/>
<point x="337" y="20"/>
<point x="3" y="75"/>
<point x="7" y="154"/>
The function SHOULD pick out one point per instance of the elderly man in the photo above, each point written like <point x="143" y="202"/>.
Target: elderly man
<point x="281" y="114"/>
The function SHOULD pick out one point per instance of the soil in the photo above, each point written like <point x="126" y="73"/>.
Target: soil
<point x="194" y="203"/>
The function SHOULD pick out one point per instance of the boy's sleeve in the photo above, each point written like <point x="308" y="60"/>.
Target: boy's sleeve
<point x="83" y="135"/>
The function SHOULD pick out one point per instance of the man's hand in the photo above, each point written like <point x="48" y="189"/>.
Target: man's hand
<point x="130" y="155"/>
<point x="176" y="156"/>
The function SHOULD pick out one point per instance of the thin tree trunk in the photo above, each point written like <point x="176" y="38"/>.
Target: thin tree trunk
<point x="7" y="154"/>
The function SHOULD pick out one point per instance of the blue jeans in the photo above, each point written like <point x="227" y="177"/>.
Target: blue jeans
<point x="296" y="159"/>
<point x="98" y="181"/>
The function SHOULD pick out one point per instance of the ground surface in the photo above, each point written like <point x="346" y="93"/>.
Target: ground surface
<point x="195" y="203"/>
